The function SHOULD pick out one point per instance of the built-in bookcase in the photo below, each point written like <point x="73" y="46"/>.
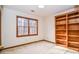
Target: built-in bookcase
<point x="61" y="29"/>
<point x="67" y="30"/>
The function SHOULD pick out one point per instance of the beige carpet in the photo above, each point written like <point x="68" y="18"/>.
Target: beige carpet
<point x="39" y="48"/>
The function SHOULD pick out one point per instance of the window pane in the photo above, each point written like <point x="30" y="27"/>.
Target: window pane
<point x="22" y="26"/>
<point x="33" y="30"/>
<point x="22" y="22"/>
<point x="20" y="32"/>
<point x="19" y="21"/>
<point x="25" y="22"/>
<point x="25" y="31"/>
<point x="33" y="26"/>
<point x="33" y="23"/>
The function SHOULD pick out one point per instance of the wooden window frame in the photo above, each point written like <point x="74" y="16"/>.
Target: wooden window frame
<point x="28" y="26"/>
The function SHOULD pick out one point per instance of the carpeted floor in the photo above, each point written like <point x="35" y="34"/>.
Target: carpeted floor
<point x="39" y="48"/>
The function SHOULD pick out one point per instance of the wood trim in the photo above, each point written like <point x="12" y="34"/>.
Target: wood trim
<point x="16" y="26"/>
<point x="28" y="28"/>
<point x="66" y="30"/>
<point x="55" y="29"/>
<point x="50" y="41"/>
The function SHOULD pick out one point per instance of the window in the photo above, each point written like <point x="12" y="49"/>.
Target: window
<point x="26" y="26"/>
<point x="33" y="27"/>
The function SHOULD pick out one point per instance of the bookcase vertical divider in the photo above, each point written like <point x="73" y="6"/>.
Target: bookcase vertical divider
<point x="66" y="30"/>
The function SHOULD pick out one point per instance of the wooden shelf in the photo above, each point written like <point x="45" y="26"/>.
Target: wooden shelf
<point x="1" y="47"/>
<point x="61" y="29"/>
<point x="61" y="34"/>
<point x="73" y="42"/>
<point x="60" y="19"/>
<point x="73" y="30"/>
<point x="60" y="24"/>
<point x="61" y="39"/>
<point x="76" y="49"/>
<point x="73" y="35"/>
<point x="73" y="24"/>
<point x="74" y="16"/>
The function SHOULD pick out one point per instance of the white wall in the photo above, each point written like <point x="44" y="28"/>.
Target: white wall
<point x="50" y="28"/>
<point x="50" y="25"/>
<point x="9" y="28"/>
